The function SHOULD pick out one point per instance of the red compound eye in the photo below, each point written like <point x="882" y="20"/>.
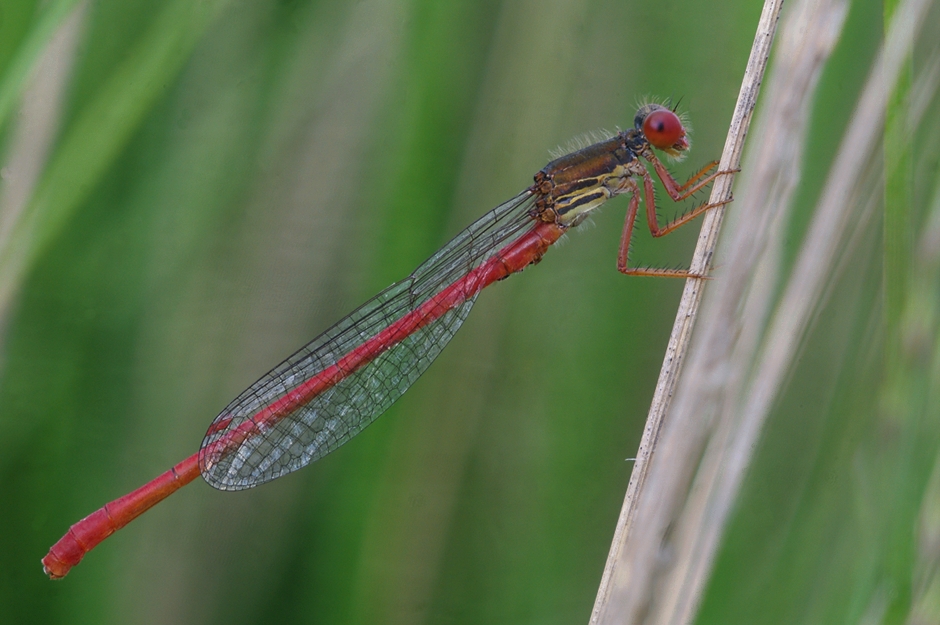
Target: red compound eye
<point x="663" y="129"/>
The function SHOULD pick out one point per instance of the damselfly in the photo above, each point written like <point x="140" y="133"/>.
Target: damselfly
<point x="336" y="385"/>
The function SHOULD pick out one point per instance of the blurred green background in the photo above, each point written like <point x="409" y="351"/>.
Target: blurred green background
<point x="226" y="179"/>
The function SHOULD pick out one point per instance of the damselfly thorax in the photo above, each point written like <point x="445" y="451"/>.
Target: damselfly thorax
<point x="572" y="186"/>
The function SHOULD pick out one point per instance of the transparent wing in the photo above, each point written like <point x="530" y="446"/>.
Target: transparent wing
<point x="339" y="412"/>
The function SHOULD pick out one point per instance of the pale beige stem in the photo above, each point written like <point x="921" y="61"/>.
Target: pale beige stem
<point x="666" y="544"/>
<point x="689" y="304"/>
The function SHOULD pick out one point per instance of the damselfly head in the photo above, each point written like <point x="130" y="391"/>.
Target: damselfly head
<point x="662" y="128"/>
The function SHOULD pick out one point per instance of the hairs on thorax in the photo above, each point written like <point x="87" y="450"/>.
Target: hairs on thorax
<point x="582" y="141"/>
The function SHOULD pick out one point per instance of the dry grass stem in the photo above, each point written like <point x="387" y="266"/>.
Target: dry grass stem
<point x="740" y="361"/>
<point x="688" y="308"/>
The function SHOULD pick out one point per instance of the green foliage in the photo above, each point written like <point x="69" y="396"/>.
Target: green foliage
<point x="226" y="179"/>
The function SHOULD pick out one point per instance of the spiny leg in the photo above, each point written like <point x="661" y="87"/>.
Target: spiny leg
<point x="624" y="253"/>
<point x="680" y="192"/>
<point x="655" y="230"/>
<point x="653" y="220"/>
<point x="704" y="170"/>
<point x="628" y="223"/>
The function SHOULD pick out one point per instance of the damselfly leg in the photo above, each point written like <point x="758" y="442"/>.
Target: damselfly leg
<point x="678" y="193"/>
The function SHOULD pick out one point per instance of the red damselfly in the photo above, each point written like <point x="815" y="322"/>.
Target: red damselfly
<point x="338" y="384"/>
